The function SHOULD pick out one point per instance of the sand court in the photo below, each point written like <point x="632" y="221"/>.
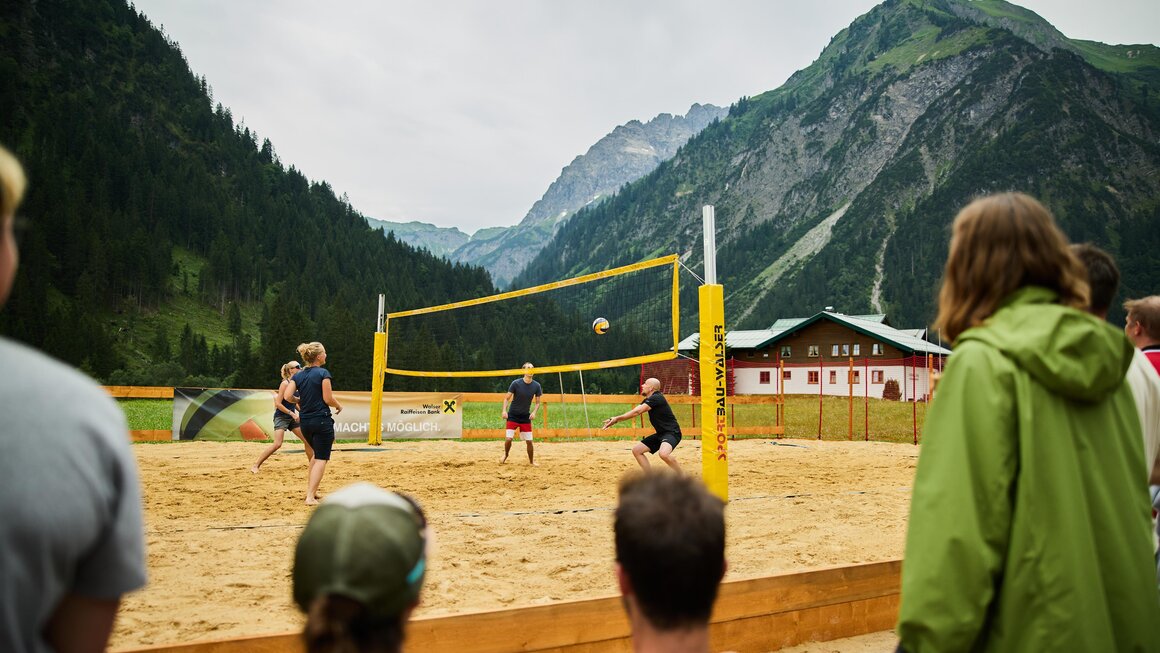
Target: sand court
<point x="221" y="540"/>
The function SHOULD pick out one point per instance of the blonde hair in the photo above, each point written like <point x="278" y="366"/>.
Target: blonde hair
<point x="1146" y="312"/>
<point x="1000" y="244"/>
<point x="288" y="371"/>
<point x="309" y="351"/>
<point x="12" y="183"/>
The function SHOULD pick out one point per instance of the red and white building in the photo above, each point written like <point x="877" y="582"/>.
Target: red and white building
<point x="828" y="354"/>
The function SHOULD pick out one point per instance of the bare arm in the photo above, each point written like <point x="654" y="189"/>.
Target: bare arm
<point x="81" y="624"/>
<point x="536" y="407"/>
<point x="639" y="409"/>
<point x="328" y="396"/>
<point x="288" y="391"/>
<point x="506" y="401"/>
<point x="279" y="398"/>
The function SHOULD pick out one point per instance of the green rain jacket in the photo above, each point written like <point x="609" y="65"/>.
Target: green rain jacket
<point x="1029" y="524"/>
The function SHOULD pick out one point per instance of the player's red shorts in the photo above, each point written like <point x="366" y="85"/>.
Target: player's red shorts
<point x="516" y="426"/>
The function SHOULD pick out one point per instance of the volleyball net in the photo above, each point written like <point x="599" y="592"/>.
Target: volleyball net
<point x="550" y="325"/>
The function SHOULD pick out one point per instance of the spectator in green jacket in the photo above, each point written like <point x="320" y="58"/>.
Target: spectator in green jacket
<point x="1029" y="523"/>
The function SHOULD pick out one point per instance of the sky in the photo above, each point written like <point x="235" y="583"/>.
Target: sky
<point x="461" y="113"/>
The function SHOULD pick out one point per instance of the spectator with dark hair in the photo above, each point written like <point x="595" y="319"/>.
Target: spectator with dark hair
<point x="670" y="558"/>
<point x="358" y="570"/>
<point x="1104" y="278"/>
<point x="72" y="530"/>
<point x="1029" y="525"/>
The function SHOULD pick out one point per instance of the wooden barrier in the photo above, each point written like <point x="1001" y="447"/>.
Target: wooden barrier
<point x="760" y="614"/>
<point x="139" y="391"/>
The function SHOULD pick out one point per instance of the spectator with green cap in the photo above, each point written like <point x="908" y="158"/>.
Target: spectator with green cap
<point x="358" y="569"/>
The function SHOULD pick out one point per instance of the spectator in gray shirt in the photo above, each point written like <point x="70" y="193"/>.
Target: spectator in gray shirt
<point x="72" y="531"/>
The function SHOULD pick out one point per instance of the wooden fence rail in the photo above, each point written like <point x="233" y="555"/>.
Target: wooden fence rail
<point x="760" y="614"/>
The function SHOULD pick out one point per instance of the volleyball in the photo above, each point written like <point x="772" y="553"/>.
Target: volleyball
<point x="600" y="326"/>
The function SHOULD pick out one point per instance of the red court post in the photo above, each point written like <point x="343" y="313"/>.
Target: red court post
<point x="821" y="387"/>
<point x="866" y="386"/>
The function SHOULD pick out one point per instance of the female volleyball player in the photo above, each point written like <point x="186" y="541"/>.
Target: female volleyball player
<point x="285" y="419"/>
<point x="315" y="399"/>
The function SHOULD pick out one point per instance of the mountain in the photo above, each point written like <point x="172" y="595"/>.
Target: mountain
<point x="838" y="188"/>
<point x="628" y="153"/>
<point x="440" y="241"/>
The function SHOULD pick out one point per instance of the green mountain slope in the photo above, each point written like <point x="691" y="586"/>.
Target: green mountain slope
<point x="838" y="187"/>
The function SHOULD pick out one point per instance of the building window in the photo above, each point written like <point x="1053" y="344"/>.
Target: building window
<point x="833" y="377"/>
<point x="846" y="349"/>
<point x="813" y="378"/>
<point x="765" y="354"/>
<point x="785" y="375"/>
<point x="876" y="376"/>
<point x="854" y="377"/>
<point x="785" y="351"/>
<point x="813" y="352"/>
<point x="834" y="350"/>
<point x="876" y="349"/>
<point x="857" y="349"/>
<point x="763" y="377"/>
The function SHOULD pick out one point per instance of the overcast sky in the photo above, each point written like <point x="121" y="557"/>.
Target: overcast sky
<point x="462" y="112"/>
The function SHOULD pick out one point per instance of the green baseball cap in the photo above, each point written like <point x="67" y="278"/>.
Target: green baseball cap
<point x="364" y="543"/>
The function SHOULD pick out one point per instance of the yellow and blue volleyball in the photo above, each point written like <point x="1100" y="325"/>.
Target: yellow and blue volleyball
<point x="600" y="326"/>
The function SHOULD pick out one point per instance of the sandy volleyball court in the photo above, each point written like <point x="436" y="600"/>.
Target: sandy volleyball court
<point x="221" y="540"/>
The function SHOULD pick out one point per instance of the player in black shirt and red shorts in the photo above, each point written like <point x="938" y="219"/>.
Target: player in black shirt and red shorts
<point x="660" y="415"/>
<point x="518" y="412"/>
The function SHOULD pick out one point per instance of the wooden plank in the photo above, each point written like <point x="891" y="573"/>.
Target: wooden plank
<point x="778" y="630"/>
<point x="805" y="590"/>
<point x="279" y="643"/>
<point x="761" y="614"/>
<point x="139" y="391"/>
<point x="150" y="435"/>
<point x="537" y="628"/>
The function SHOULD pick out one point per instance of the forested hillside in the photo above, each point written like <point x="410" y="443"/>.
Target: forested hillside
<point x="168" y="244"/>
<point x="838" y="188"/>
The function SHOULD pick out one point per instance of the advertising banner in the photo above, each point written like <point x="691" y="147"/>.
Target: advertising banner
<point x="223" y="414"/>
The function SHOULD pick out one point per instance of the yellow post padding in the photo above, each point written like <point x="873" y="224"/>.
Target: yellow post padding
<point x="375" y="433"/>
<point x="714" y="401"/>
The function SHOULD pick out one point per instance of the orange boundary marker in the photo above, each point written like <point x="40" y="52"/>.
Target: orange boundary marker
<point x="760" y="614"/>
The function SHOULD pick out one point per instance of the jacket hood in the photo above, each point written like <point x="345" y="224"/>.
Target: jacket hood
<point x="1071" y="353"/>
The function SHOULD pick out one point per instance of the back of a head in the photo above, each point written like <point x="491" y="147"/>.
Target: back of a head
<point x="999" y="244"/>
<point x="1146" y="312"/>
<point x="309" y="351"/>
<point x="358" y="569"/>
<point x="670" y="541"/>
<point x="1102" y="275"/>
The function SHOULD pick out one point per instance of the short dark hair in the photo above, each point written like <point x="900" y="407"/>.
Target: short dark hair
<point x="670" y="541"/>
<point x="1103" y="275"/>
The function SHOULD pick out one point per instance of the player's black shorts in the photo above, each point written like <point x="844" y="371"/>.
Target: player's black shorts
<point x="654" y="441"/>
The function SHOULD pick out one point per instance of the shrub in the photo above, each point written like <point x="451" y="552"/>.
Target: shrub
<point x="890" y="390"/>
